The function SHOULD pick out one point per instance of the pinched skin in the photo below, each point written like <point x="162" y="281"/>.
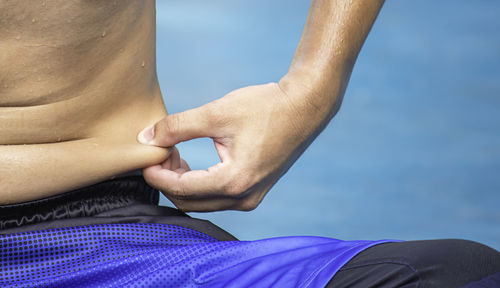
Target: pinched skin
<point x="77" y="84"/>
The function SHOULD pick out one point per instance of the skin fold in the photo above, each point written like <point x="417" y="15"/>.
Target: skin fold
<point x="78" y="83"/>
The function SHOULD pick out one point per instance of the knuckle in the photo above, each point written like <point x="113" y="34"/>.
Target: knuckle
<point x="169" y="125"/>
<point x="249" y="204"/>
<point x="174" y="192"/>
<point x="179" y="204"/>
<point x="180" y="193"/>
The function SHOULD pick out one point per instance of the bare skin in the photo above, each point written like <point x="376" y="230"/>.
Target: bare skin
<point x="77" y="83"/>
<point x="260" y="131"/>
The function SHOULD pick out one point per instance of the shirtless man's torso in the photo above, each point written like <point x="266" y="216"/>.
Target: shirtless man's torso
<point x="77" y="84"/>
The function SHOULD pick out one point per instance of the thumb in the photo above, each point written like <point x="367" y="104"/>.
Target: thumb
<point x="178" y="127"/>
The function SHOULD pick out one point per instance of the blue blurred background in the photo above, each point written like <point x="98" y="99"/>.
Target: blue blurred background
<point x="414" y="152"/>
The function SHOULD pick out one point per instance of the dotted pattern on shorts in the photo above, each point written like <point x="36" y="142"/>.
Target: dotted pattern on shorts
<point x="162" y="255"/>
<point x="48" y="257"/>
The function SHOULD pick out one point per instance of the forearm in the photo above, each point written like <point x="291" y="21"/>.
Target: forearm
<point x="334" y="33"/>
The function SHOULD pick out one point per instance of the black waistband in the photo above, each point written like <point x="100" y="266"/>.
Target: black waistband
<point x="83" y="202"/>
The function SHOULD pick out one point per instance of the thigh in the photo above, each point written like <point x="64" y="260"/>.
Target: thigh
<point x="425" y="263"/>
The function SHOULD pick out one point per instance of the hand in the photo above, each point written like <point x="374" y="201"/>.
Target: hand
<point x="258" y="132"/>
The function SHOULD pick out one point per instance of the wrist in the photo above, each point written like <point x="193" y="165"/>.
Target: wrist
<point x="324" y="88"/>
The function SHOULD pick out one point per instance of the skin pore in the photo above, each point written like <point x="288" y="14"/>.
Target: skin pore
<point x="77" y="83"/>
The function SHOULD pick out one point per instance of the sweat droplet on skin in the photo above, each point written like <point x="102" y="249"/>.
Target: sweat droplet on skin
<point x="143" y="63"/>
<point x="103" y="34"/>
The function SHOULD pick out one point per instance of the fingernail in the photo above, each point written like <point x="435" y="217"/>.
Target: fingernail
<point x="146" y="135"/>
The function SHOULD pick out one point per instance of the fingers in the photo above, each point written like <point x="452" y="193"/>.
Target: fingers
<point x="250" y="129"/>
<point x="178" y="127"/>
<point x="209" y="205"/>
<point x="201" y="190"/>
<point x="181" y="182"/>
